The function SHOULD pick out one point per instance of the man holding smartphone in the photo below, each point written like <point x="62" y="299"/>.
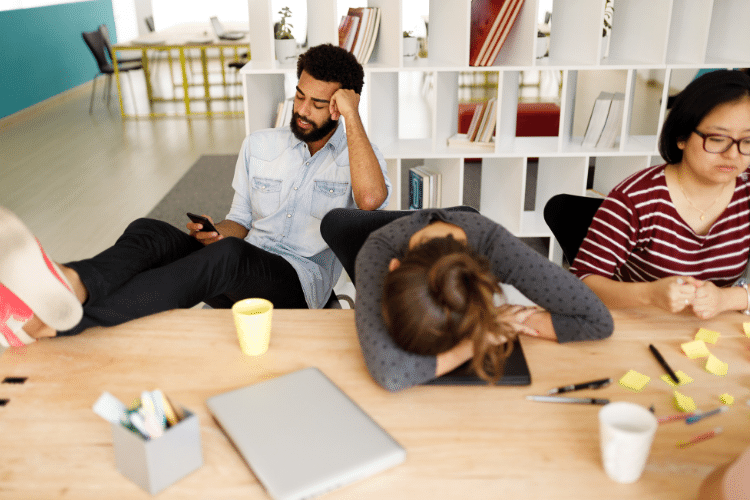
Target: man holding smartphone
<point x="268" y="246"/>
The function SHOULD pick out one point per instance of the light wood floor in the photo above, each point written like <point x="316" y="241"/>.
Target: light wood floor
<point x="77" y="180"/>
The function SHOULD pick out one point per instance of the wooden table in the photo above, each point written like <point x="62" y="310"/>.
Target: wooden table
<point x="461" y="442"/>
<point x="182" y="38"/>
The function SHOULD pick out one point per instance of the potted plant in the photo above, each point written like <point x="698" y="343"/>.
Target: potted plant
<point x="411" y="46"/>
<point x="284" y="42"/>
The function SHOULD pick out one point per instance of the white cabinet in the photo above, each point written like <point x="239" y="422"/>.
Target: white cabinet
<point x="662" y="36"/>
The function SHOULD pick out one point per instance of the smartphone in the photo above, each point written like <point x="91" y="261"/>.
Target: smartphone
<point x="207" y="226"/>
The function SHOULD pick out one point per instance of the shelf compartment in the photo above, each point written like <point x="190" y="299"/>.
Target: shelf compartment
<point x="580" y="91"/>
<point x="262" y="114"/>
<point x="502" y="189"/>
<point x="611" y="170"/>
<point x="448" y="38"/>
<point x="729" y="37"/>
<point x="452" y="182"/>
<point x="688" y="31"/>
<point x="640" y="31"/>
<point x="575" y="33"/>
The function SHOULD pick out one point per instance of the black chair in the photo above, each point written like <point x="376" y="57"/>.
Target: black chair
<point x="95" y="42"/>
<point x="108" y="44"/>
<point x="569" y="218"/>
<point x="346" y="229"/>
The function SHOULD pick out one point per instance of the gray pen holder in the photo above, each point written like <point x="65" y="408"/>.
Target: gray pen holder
<point x="154" y="464"/>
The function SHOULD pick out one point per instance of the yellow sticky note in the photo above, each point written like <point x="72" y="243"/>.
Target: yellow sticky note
<point x="715" y="366"/>
<point x="726" y="399"/>
<point x="695" y="349"/>
<point x="709" y="336"/>
<point x="634" y="381"/>
<point x="683" y="403"/>
<point x="746" y="328"/>
<point x="683" y="377"/>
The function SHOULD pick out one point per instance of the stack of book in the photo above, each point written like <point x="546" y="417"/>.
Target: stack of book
<point x="358" y="31"/>
<point x="481" y="128"/>
<point x="284" y="112"/>
<point x="491" y="21"/>
<point x="605" y="122"/>
<point x="424" y="188"/>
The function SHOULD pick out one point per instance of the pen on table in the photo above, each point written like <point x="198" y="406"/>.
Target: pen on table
<point x="700" y="437"/>
<point x="594" y="384"/>
<point x="561" y="399"/>
<point x="672" y="418"/>
<point x="698" y="416"/>
<point x="664" y="364"/>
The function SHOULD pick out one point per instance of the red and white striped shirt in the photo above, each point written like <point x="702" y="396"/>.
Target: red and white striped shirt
<point x="637" y="235"/>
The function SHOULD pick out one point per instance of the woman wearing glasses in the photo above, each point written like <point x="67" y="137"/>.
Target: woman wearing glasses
<point x="677" y="235"/>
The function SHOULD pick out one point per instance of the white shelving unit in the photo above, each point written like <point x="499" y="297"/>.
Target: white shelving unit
<point x="660" y="35"/>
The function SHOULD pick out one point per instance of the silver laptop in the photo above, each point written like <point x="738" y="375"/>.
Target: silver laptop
<point x="302" y="436"/>
<point x="223" y="34"/>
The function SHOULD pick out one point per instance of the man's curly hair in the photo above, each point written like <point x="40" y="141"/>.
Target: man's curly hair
<point x="330" y="63"/>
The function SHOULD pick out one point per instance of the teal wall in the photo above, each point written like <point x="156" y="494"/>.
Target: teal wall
<point x="42" y="52"/>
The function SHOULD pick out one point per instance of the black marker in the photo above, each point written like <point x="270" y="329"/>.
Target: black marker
<point x="664" y="364"/>
<point x="594" y="384"/>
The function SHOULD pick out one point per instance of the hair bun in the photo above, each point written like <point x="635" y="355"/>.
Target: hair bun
<point x="451" y="278"/>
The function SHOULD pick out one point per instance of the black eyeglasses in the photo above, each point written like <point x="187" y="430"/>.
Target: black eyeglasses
<point x="717" y="143"/>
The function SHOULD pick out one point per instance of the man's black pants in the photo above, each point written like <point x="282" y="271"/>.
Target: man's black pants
<point x="155" y="267"/>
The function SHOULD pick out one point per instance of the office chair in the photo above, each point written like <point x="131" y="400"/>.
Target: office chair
<point x="346" y="229"/>
<point x="95" y="42"/>
<point x="569" y="218"/>
<point x="108" y="44"/>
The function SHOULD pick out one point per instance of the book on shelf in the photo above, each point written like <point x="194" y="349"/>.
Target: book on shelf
<point x="373" y="35"/>
<point x="491" y="22"/>
<point x="348" y="31"/>
<point x="481" y="128"/>
<point x="489" y="122"/>
<point x="613" y="125"/>
<point x="476" y="118"/>
<point x="362" y="31"/>
<point x="425" y="188"/>
<point x="284" y="112"/>
<point x="597" y="120"/>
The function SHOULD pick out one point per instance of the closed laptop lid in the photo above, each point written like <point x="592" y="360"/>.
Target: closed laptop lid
<point x="302" y="436"/>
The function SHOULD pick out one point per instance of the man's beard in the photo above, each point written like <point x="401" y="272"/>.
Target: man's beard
<point x="316" y="133"/>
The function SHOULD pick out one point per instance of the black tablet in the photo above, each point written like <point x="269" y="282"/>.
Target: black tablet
<point x="516" y="372"/>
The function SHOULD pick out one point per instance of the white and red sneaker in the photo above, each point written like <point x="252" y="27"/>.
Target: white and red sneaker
<point x="13" y="315"/>
<point x="30" y="283"/>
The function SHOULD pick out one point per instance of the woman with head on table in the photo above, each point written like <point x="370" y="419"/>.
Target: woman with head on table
<point x="428" y="298"/>
<point x="677" y="235"/>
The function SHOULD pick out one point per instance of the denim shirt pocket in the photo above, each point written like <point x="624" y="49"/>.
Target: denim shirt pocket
<point x="326" y="196"/>
<point x="265" y="197"/>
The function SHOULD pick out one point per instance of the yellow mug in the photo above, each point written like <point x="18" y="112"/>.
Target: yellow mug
<point x="252" y="318"/>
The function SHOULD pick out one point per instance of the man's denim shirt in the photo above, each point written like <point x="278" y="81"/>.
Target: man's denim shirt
<point x="282" y="193"/>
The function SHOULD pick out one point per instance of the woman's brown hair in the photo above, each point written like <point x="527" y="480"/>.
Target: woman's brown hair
<point x="442" y="293"/>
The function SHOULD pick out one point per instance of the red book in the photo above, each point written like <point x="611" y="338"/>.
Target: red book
<point x="491" y="21"/>
<point x="347" y="32"/>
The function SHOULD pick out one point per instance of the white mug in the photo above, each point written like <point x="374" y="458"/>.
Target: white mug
<point x="626" y="431"/>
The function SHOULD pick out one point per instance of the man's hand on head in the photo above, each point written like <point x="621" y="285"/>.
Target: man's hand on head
<point x="344" y="102"/>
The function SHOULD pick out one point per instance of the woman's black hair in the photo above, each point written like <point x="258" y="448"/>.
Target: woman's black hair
<point x="330" y="63"/>
<point x="697" y="100"/>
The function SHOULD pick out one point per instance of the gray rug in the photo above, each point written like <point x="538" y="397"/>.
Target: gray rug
<point x="205" y="189"/>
